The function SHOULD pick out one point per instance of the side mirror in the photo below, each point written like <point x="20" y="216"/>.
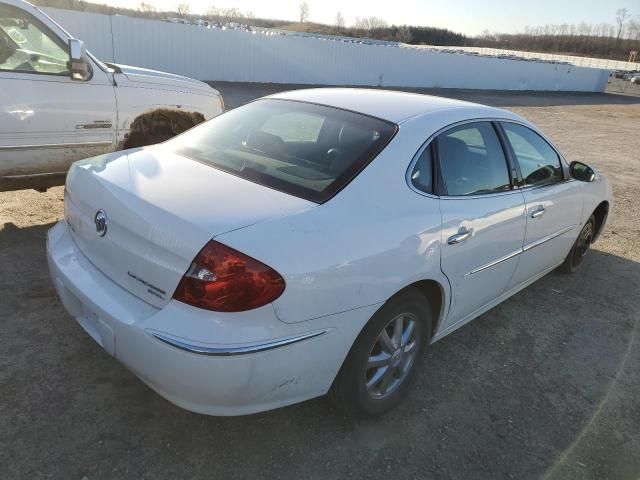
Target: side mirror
<point x="582" y="171"/>
<point x="78" y="61"/>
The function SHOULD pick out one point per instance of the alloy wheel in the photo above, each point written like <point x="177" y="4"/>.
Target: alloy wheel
<point x="392" y="356"/>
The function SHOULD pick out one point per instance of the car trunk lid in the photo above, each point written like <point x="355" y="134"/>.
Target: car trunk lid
<point x="160" y="210"/>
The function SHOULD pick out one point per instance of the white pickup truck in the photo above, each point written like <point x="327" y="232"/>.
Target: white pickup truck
<point x="58" y="103"/>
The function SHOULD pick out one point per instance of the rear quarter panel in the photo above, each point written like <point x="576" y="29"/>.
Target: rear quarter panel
<point x="359" y="248"/>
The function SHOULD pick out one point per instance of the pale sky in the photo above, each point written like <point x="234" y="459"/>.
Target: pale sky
<point x="465" y="16"/>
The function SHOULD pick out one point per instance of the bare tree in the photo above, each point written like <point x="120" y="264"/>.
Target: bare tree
<point x="226" y="15"/>
<point x="376" y="23"/>
<point x="633" y="29"/>
<point x="339" y="21"/>
<point x="621" y="16"/>
<point x="403" y="35"/>
<point x="230" y="14"/>
<point x="304" y="12"/>
<point x="487" y="35"/>
<point x="212" y="13"/>
<point x="361" y="25"/>
<point x="584" y="29"/>
<point x="147" y="9"/>
<point x="370" y="25"/>
<point x="183" y="9"/>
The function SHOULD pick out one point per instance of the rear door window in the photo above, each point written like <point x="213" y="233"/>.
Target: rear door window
<point x="472" y="161"/>
<point x="539" y="162"/>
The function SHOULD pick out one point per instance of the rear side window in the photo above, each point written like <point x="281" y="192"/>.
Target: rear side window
<point x="472" y="161"/>
<point x="539" y="162"/>
<point x="310" y="151"/>
<point x="422" y="175"/>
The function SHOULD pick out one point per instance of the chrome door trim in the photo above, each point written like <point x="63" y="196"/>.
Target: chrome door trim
<point x="55" y="145"/>
<point x="495" y="262"/>
<point x="230" y="351"/>
<point x="482" y="195"/>
<point x="515" y="253"/>
<point x="528" y="188"/>
<point x="551" y="236"/>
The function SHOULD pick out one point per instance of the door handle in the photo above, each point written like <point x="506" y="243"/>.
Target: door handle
<point x="538" y="212"/>
<point x="459" y="237"/>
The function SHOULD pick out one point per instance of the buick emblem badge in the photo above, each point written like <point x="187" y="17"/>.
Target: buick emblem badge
<point x="101" y="223"/>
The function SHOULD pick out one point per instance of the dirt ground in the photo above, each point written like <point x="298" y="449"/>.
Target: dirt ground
<point x="545" y="385"/>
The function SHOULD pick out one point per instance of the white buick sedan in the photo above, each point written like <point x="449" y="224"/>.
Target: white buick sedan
<point x="314" y="241"/>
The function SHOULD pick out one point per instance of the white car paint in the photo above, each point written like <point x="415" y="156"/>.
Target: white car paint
<point x="150" y="193"/>
<point x="49" y="121"/>
<point x="341" y="259"/>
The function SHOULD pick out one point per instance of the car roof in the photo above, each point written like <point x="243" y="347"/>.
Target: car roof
<point x="390" y="105"/>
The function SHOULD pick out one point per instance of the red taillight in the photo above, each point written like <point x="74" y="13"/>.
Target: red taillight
<point x="225" y="280"/>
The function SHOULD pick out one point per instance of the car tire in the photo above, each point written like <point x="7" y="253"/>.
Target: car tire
<point x="580" y="247"/>
<point x="363" y="390"/>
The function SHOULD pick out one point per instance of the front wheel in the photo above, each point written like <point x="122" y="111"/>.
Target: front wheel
<point x="383" y="361"/>
<point x="580" y="247"/>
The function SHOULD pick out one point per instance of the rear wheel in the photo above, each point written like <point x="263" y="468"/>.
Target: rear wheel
<point x="382" y="363"/>
<point x="580" y="247"/>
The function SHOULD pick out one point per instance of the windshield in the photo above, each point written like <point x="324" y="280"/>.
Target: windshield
<point x="310" y="151"/>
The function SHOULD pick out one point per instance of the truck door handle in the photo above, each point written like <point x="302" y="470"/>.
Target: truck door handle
<point x="459" y="237"/>
<point x="537" y="212"/>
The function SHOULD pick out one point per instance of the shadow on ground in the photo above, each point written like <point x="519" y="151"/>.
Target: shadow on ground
<point x="236" y="94"/>
<point x="544" y="385"/>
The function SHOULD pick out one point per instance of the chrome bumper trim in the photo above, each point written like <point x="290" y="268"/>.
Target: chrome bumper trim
<point x="230" y="351"/>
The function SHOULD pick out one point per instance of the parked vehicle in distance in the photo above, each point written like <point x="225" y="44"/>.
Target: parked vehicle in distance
<point x="314" y="241"/>
<point x="58" y="103"/>
<point x="624" y="74"/>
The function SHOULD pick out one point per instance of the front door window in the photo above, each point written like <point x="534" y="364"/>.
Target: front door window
<point x="27" y="46"/>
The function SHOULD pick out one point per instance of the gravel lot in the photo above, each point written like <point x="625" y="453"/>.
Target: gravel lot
<point x="545" y="385"/>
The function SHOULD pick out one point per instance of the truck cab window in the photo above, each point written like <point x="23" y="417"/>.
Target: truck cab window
<point x="27" y="46"/>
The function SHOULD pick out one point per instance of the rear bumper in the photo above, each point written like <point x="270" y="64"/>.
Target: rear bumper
<point x="218" y="364"/>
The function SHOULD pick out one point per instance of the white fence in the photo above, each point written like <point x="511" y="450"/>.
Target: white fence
<point x="241" y="56"/>
<point x="553" y="57"/>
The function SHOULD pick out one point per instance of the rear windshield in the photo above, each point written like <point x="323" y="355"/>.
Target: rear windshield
<point x="310" y="151"/>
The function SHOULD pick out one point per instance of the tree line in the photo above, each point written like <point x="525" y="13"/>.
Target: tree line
<point x="603" y="40"/>
<point x="377" y="28"/>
